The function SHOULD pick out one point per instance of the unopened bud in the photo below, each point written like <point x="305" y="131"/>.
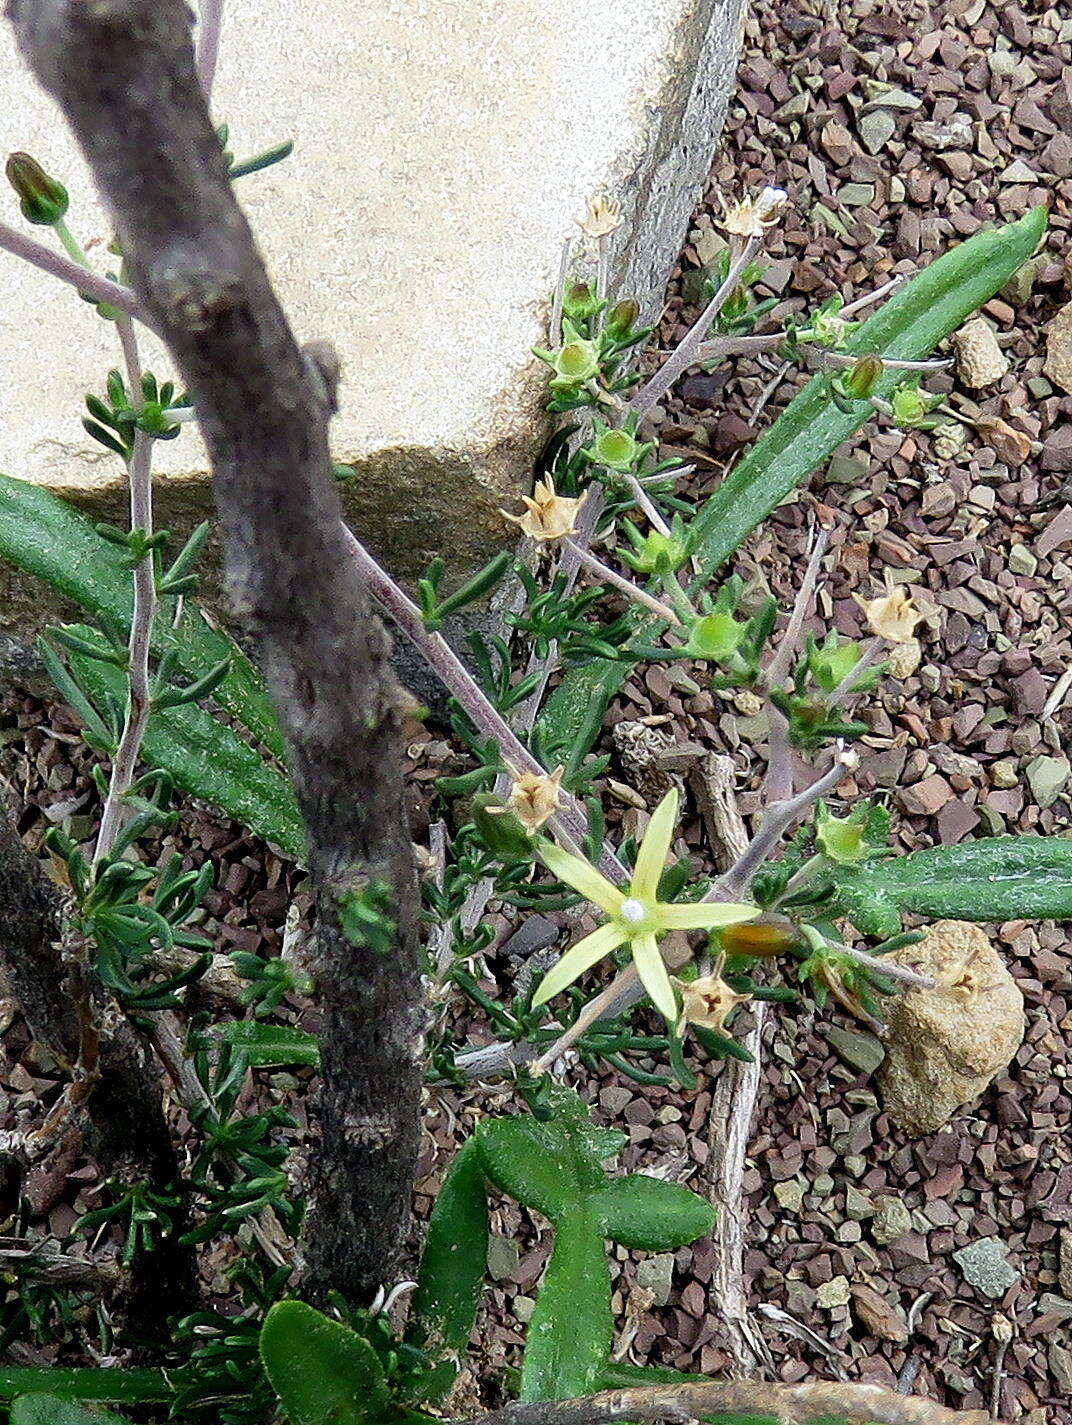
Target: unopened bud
<point x="42" y="199"/>
<point x="862" y="378"/>
<point x="621" y="318"/>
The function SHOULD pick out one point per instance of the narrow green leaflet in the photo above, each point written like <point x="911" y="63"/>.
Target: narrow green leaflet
<point x="569" y="1335"/>
<point x="654" y="1216"/>
<point x="993" y="878"/>
<point x="108" y="1387"/>
<point x="267" y="1045"/>
<point x="907" y="328"/>
<point x="48" y="538"/>
<point x="206" y="759"/>
<point x="322" y="1372"/>
<point x="52" y="1410"/>
<point x="454" y="1261"/>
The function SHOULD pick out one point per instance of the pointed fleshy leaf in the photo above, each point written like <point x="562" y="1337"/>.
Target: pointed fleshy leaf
<point x="655" y="848"/>
<point x="582" y="876"/>
<point x="577" y="959"/>
<point x="322" y="1372"/>
<point x="652" y="1215"/>
<point x="654" y="977"/>
<point x="569" y="1335"/>
<point x="454" y="1260"/>
<point x="52" y="1410"/>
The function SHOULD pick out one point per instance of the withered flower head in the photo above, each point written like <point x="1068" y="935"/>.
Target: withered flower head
<point x="534" y="799"/>
<point x="894" y="616"/>
<point x="751" y="217"/>
<point x="547" y="515"/>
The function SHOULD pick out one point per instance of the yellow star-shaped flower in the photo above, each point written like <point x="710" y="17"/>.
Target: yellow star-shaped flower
<point x="637" y="917"/>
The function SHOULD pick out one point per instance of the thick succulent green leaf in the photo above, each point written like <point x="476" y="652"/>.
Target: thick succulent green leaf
<point x="207" y="759"/>
<point x="993" y="878"/>
<point x="270" y="1044"/>
<point x="907" y="328"/>
<point x="52" y="1410"/>
<point x="455" y="1255"/>
<point x="322" y="1372"/>
<point x="106" y="1386"/>
<point x="525" y="1162"/>
<point x="569" y="1335"/>
<point x="47" y="537"/>
<point x="651" y="1215"/>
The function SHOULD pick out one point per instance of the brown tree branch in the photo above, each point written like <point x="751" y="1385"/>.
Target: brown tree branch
<point x="697" y="1400"/>
<point x="124" y="73"/>
<point x="127" y="1130"/>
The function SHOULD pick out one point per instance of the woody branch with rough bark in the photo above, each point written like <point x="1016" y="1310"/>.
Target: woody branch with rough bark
<point x="123" y="71"/>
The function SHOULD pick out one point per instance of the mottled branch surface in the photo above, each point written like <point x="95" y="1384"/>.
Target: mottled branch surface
<point x="127" y="1130"/>
<point x="698" y="1400"/>
<point x="124" y="73"/>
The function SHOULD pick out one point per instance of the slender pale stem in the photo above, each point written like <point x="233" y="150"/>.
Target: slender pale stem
<point x="208" y="42"/>
<point x="643" y="499"/>
<point x="778" y="781"/>
<point x="569" y="823"/>
<point x="779" y="818"/>
<point x="844" y="358"/>
<point x="890" y="968"/>
<point x="555" y="333"/>
<point x="604" y="1003"/>
<point x="868" y="658"/>
<point x="632" y="591"/>
<point x="685" y="354"/>
<point x="101" y="289"/>
<point x="139" y="702"/>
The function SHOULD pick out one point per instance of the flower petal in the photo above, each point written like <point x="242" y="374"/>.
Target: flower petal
<point x="704" y="915"/>
<point x="582" y="876"/>
<point x="654" y="976"/>
<point x="654" y="849"/>
<point x="577" y="959"/>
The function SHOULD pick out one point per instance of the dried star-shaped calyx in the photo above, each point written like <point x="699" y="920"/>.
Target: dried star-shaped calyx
<point x="604" y="216"/>
<point x="547" y="515"/>
<point x="893" y="616"/>
<point x="708" y="1001"/>
<point x="534" y="798"/>
<point x="751" y="217"/>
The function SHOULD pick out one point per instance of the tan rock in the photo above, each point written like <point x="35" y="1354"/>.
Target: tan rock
<point x="443" y="153"/>
<point x="944" y="1045"/>
<point x="980" y="360"/>
<point x="1059" y="349"/>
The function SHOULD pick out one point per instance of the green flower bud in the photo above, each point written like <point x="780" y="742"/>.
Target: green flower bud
<point x="843" y="839"/>
<point x="716" y="636"/>
<point x="860" y="380"/>
<point x="622" y="318"/>
<point x="616" y="449"/>
<point x="42" y="199"/>
<point x="912" y="407"/>
<point x="655" y="554"/>
<point x="577" y="361"/>
<point x="579" y="302"/>
<point x="500" y="829"/>
<point x="832" y="661"/>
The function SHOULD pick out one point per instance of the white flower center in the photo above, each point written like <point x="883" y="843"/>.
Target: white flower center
<point x="633" y="911"/>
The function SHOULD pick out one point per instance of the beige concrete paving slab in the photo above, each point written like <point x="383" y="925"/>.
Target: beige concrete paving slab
<point x="444" y="150"/>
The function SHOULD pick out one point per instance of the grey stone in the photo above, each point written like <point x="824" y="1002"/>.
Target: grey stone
<point x="890" y="1221"/>
<point x="876" y="129"/>
<point x="656" y="1274"/>
<point x="1021" y="560"/>
<point x="504" y="1258"/>
<point x="443" y="155"/>
<point x="1050" y="1304"/>
<point x="1060" y="1362"/>
<point x="1046" y="776"/>
<point x="983" y="1265"/>
<point x="1059" y="348"/>
<point x="859" y="1049"/>
<point x="790" y="1194"/>
<point x="833" y="1293"/>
